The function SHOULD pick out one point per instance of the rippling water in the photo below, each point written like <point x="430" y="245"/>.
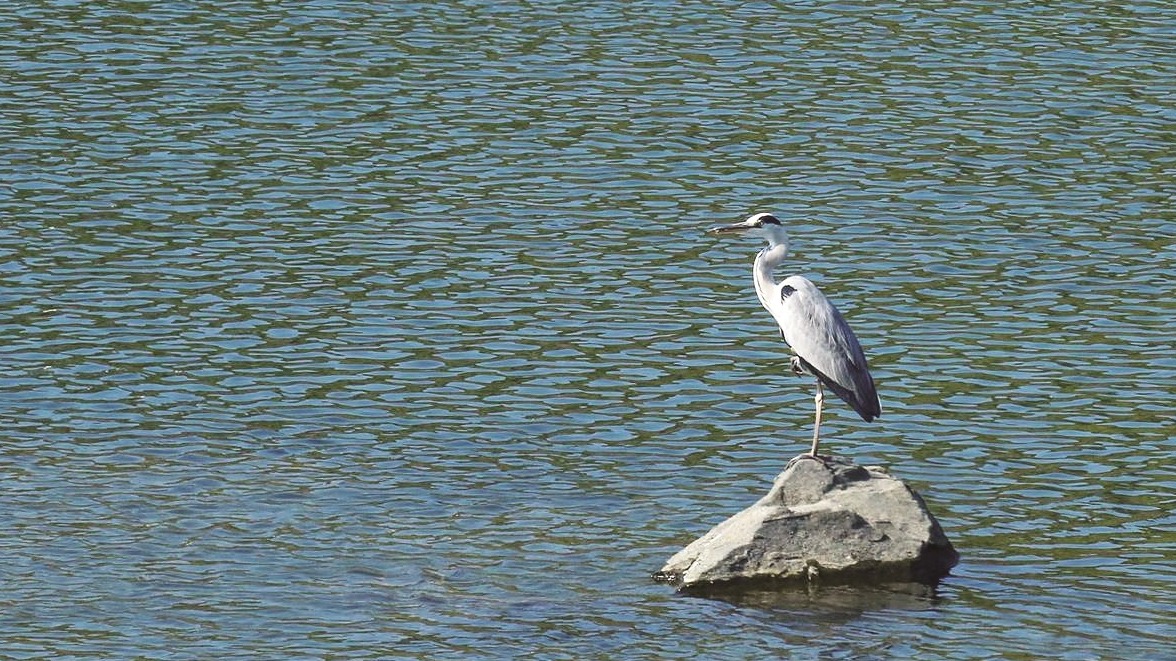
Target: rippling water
<point x="339" y="329"/>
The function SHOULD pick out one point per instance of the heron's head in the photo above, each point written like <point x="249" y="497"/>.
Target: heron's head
<point x="761" y="224"/>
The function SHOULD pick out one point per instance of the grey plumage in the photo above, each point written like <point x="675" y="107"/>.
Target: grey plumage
<point x="826" y="345"/>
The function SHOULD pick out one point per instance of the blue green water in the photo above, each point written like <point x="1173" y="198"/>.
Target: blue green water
<point x="344" y="330"/>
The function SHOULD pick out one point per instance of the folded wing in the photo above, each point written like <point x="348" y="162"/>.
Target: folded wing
<point x="826" y="345"/>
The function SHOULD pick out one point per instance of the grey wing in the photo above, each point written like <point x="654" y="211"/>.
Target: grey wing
<point x="818" y="334"/>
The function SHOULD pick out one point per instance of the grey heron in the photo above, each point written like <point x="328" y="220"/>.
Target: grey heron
<point x="824" y="345"/>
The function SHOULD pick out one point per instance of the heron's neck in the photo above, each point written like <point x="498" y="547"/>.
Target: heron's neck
<point x="765" y="262"/>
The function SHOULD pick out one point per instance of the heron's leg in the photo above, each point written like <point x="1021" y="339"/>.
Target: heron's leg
<point x="820" y="402"/>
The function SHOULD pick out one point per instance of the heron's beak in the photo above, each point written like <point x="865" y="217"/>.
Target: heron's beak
<point x="722" y="229"/>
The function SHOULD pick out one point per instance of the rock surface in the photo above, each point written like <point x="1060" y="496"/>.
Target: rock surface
<point x="825" y="519"/>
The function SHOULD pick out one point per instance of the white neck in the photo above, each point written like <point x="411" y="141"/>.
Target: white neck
<point x="766" y="262"/>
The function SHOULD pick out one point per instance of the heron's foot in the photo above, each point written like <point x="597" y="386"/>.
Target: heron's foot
<point x="821" y="459"/>
<point x="797" y="368"/>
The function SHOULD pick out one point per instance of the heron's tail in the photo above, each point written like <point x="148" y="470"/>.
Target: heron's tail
<point x="859" y="393"/>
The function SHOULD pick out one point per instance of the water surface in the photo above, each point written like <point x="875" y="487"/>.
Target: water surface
<point x="346" y="330"/>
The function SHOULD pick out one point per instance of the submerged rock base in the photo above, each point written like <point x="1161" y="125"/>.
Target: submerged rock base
<point x="824" y="520"/>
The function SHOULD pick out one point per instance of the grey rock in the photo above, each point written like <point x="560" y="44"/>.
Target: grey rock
<point x="824" y="520"/>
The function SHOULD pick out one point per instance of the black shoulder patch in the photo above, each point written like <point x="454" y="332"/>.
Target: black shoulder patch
<point x="786" y="291"/>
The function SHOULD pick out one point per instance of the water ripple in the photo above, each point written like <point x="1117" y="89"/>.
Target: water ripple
<point x="396" y="328"/>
